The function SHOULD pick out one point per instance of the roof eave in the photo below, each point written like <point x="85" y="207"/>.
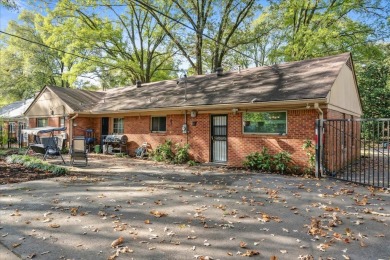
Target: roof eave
<point x="285" y="103"/>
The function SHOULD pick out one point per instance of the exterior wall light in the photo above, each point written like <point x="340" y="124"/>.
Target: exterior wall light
<point x="193" y="113"/>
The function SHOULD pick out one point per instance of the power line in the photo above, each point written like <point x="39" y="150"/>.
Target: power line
<point x="56" y="49"/>
<point x="148" y="6"/>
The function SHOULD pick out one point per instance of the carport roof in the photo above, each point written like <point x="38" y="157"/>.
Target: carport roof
<point x="302" y="80"/>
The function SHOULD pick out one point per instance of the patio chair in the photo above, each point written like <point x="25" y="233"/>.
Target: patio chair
<point x="78" y="150"/>
<point x="142" y="151"/>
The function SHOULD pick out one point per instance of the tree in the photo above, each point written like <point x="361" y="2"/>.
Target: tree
<point x="25" y="66"/>
<point x="313" y="28"/>
<point x="374" y="86"/>
<point x="129" y="44"/>
<point x="196" y="21"/>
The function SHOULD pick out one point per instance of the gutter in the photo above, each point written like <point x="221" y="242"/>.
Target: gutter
<point x="320" y="112"/>
<point x="246" y="105"/>
<point x="319" y="135"/>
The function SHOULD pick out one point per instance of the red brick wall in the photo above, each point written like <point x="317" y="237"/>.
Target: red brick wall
<point x="300" y="126"/>
<point x="83" y="123"/>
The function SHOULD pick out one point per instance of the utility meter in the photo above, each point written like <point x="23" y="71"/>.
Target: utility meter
<point x="184" y="129"/>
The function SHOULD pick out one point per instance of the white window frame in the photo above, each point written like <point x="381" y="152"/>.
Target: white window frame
<point x="43" y="118"/>
<point x="115" y="125"/>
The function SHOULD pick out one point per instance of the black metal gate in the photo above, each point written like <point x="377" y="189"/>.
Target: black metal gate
<point x="219" y="138"/>
<point x="355" y="150"/>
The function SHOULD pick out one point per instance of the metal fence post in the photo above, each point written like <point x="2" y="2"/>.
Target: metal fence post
<point x="318" y="148"/>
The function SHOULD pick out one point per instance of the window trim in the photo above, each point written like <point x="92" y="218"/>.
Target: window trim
<point x="59" y="121"/>
<point x="275" y="134"/>
<point x="123" y="125"/>
<point x="151" y="124"/>
<point x="42" y="118"/>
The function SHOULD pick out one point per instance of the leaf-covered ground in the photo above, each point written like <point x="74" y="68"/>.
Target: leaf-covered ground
<point x="14" y="173"/>
<point x="123" y="209"/>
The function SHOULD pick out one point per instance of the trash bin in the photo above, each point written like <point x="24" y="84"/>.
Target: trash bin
<point x="97" y="148"/>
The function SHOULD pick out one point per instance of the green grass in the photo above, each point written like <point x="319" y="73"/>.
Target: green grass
<point x="35" y="163"/>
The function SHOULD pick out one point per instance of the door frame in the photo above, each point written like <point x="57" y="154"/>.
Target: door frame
<point x="211" y="138"/>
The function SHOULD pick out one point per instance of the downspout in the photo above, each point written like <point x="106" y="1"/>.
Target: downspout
<point x="319" y="135"/>
<point x="71" y="126"/>
<point x="185" y="122"/>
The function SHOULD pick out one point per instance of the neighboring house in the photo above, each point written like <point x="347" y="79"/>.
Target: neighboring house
<point x="12" y="121"/>
<point x="223" y="116"/>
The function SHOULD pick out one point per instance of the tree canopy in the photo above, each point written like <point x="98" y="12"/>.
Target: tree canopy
<point x="113" y="43"/>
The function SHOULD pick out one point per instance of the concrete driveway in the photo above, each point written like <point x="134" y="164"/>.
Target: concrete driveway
<point x="132" y="209"/>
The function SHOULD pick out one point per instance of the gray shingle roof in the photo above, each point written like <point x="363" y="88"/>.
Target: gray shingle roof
<point x="308" y="79"/>
<point x="77" y="99"/>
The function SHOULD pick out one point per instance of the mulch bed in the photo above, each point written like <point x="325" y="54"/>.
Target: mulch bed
<point x="14" y="173"/>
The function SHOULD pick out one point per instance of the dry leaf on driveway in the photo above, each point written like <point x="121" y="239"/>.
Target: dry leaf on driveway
<point x="117" y="242"/>
<point x="158" y="214"/>
<point x="54" y="225"/>
<point x="251" y="253"/>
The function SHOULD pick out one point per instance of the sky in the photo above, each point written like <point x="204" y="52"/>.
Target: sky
<point x="5" y="16"/>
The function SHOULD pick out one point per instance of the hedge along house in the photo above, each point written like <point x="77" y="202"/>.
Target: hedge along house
<point x="12" y="121"/>
<point x="224" y="116"/>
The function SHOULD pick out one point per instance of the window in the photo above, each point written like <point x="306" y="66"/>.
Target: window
<point x="41" y="122"/>
<point x="11" y="128"/>
<point x="159" y="124"/>
<point x="62" y="121"/>
<point x="118" y="126"/>
<point x="265" y="122"/>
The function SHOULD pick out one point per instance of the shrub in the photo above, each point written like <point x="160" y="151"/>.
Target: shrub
<point x="264" y="161"/>
<point x="35" y="163"/>
<point x="182" y="155"/>
<point x="281" y="161"/>
<point x="259" y="161"/>
<point x="192" y="163"/>
<point x="308" y="147"/>
<point x="163" y="152"/>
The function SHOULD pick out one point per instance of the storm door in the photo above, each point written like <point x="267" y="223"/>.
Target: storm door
<point x="219" y="138"/>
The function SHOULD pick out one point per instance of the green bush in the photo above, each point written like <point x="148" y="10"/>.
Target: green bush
<point x="35" y="163"/>
<point x="163" y="152"/>
<point x="281" y="161"/>
<point x="309" y="148"/>
<point x="264" y="161"/>
<point x="182" y="155"/>
<point x="192" y="163"/>
<point x="259" y="161"/>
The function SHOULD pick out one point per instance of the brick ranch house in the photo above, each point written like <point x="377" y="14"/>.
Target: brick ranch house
<point x="226" y="115"/>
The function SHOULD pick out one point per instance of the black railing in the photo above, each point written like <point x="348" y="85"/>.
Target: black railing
<point x="355" y="150"/>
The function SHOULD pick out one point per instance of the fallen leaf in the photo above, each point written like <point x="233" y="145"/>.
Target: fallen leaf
<point x="274" y="257"/>
<point x="158" y="214"/>
<point x="73" y="211"/>
<point x="54" y="225"/>
<point x="117" y="242"/>
<point x="16" y="245"/>
<point x="251" y="253"/>
<point x="243" y="244"/>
